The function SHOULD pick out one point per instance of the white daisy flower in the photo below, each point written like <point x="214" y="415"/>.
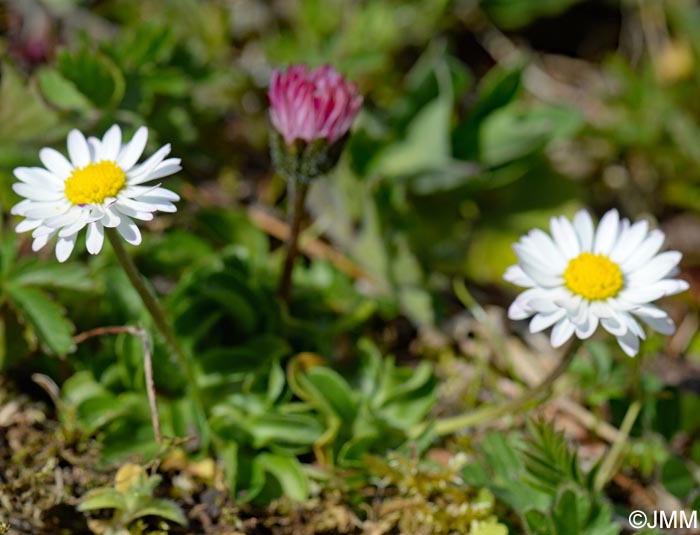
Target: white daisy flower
<point x="581" y="277"/>
<point x="99" y="186"/>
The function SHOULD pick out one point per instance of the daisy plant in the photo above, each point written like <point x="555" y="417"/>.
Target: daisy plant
<point x="311" y="112"/>
<point x="580" y="278"/>
<point x="102" y="188"/>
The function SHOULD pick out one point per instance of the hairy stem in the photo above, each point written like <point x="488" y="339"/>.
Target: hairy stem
<point x="297" y="197"/>
<point x="156" y="312"/>
<point x="491" y="412"/>
<point x="614" y="455"/>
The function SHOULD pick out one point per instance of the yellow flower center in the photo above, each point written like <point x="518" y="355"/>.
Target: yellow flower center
<point x="593" y="276"/>
<point x="94" y="183"/>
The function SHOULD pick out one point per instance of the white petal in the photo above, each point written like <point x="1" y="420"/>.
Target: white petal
<point x="542" y="321"/>
<point x="65" y="219"/>
<point x="607" y="233"/>
<point x="517" y="311"/>
<point x="95" y="237"/>
<point x="111" y="144"/>
<point x="629" y="241"/>
<point x="160" y="204"/>
<point x="129" y="231"/>
<point x="539" y="300"/>
<point x="145" y="171"/>
<point x="56" y="162"/>
<point x="95" y="148"/>
<point x="45" y="210"/>
<point x="64" y="247"/>
<point x="583" y="224"/>
<point x="133" y="192"/>
<point x="632" y="324"/>
<point x="76" y="226"/>
<point x="156" y="165"/>
<point x="40" y="241"/>
<point x="27" y="225"/>
<point x="163" y="193"/>
<point x="111" y="218"/>
<point x="516" y="275"/>
<point x="43" y="231"/>
<point x="36" y="176"/>
<point x="602" y="309"/>
<point x="133" y="150"/>
<point x="660" y="323"/>
<point x="585" y="321"/>
<point x="587" y="328"/>
<point x="541" y="242"/>
<point x="565" y="237"/>
<point x="654" y="291"/>
<point x="139" y="206"/>
<point x="615" y="325"/>
<point x="135" y="214"/>
<point x="629" y="343"/>
<point x="657" y="268"/>
<point x="651" y="311"/>
<point x="644" y="252"/>
<point x="570" y="302"/>
<point x="78" y="149"/>
<point x="36" y="193"/>
<point x="562" y="332"/>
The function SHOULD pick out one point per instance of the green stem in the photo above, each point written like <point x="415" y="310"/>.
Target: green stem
<point x="447" y="426"/>
<point x="612" y="459"/>
<point x="153" y="306"/>
<point x="297" y="197"/>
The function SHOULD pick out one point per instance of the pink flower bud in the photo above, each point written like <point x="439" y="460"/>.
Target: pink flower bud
<point x="311" y="105"/>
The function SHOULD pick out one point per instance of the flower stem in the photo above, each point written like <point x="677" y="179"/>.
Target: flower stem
<point x="470" y="419"/>
<point x="611" y="460"/>
<point x="153" y="306"/>
<point x="297" y="197"/>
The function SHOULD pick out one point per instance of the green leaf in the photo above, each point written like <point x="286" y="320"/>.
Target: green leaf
<point x="102" y="499"/>
<point x="427" y="143"/>
<point x="245" y="357"/>
<point x="497" y="89"/>
<point x="53" y="275"/>
<point x="163" y="509"/>
<point x="513" y="132"/>
<point x="79" y="387"/>
<point x="284" y="428"/>
<point x="288" y="473"/>
<point x="539" y="522"/>
<point x="677" y="477"/>
<point x="96" y="412"/>
<point x="512" y="14"/>
<point x="8" y="252"/>
<point x="94" y="75"/>
<point x="275" y="382"/>
<point x="229" y="456"/>
<point x="23" y="114"/>
<point x="45" y="317"/>
<point x="61" y="92"/>
<point x="335" y="391"/>
<point x="570" y="512"/>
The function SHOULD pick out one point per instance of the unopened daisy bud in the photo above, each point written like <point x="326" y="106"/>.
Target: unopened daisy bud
<point x="311" y="112"/>
<point x="582" y="277"/>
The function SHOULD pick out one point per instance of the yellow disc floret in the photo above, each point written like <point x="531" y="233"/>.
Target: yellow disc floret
<point x="593" y="276"/>
<point x="95" y="182"/>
